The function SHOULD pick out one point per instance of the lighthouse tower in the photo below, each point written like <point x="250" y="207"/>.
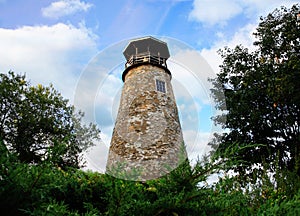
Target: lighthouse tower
<point x="147" y="140"/>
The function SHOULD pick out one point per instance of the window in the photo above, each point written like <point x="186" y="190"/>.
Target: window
<point x="160" y="86"/>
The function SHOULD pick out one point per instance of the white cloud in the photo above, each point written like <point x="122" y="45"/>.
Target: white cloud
<point x="196" y="144"/>
<point x="262" y="8"/>
<point x="96" y="156"/>
<point x="192" y="71"/>
<point x="243" y="36"/>
<point x="65" y="7"/>
<point x="213" y="12"/>
<point x="47" y="54"/>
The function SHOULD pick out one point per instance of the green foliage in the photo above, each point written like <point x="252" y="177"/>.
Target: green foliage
<point x="282" y="206"/>
<point x="262" y="103"/>
<point x="51" y="209"/>
<point x="37" y="124"/>
<point x="47" y="190"/>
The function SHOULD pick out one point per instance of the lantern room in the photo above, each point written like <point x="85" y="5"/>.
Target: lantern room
<point x="146" y="49"/>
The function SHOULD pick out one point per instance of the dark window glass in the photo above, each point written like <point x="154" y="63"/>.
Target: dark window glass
<point x="160" y="86"/>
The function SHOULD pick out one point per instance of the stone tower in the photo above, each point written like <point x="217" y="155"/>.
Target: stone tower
<point x="147" y="139"/>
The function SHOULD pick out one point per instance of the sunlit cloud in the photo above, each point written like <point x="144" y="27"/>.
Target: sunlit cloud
<point x="219" y="12"/>
<point x="64" y="8"/>
<point x="215" y="11"/>
<point x="48" y="54"/>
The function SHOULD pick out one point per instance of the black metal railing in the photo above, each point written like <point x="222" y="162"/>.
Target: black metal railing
<point x="146" y="57"/>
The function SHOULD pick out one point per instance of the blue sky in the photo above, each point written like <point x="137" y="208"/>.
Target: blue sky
<point x="77" y="45"/>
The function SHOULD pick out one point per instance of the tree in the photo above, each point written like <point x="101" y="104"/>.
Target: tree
<point x="262" y="100"/>
<point x="37" y="124"/>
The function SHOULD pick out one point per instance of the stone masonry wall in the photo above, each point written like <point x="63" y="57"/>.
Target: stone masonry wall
<point x="147" y="139"/>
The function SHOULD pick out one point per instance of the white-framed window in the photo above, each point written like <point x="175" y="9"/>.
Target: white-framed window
<point x="161" y="86"/>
